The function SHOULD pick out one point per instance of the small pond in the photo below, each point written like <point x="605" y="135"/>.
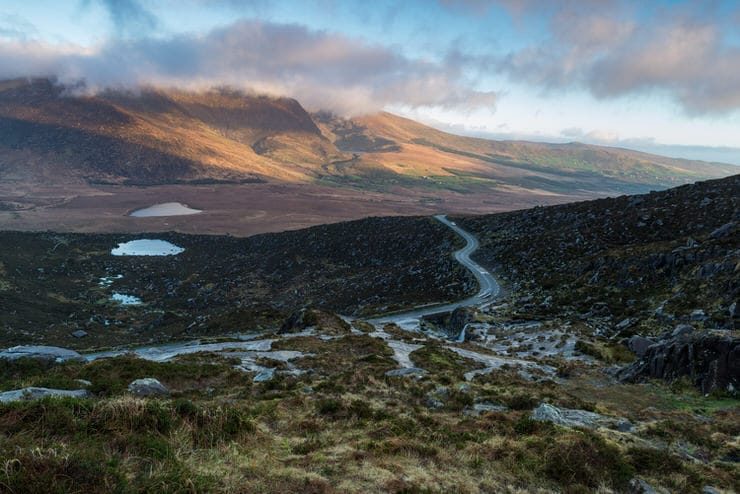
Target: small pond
<point x="146" y="247"/>
<point x="124" y="299"/>
<point x="165" y="209"/>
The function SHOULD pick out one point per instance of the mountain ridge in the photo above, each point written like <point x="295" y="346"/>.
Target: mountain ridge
<point x="159" y="135"/>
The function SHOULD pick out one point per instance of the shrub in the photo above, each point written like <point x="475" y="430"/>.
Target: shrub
<point x="587" y="460"/>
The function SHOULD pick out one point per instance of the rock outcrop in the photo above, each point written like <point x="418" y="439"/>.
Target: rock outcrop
<point x="710" y="360"/>
<point x="148" y="387"/>
<point x="567" y="417"/>
<point x="34" y="393"/>
<point x="324" y="322"/>
<point x="41" y="352"/>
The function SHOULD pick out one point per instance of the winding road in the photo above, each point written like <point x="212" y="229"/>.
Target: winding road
<point x="489" y="287"/>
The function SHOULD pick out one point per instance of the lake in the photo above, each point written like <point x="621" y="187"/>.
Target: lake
<point x="165" y="209"/>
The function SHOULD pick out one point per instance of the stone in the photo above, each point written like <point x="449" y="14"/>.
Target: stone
<point x="483" y="407"/>
<point x="406" y="371"/>
<point x="711" y="360"/>
<point x="264" y="376"/>
<point x="41" y="352"/>
<point x="723" y="230"/>
<point x="459" y="318"/>
<point x="639" y="486"/>
<point x="567" y="417"/>
<point x="708" y="489"/>
<point x="34" y="393"/>
<point x="148" y="387"/>
<point x="682" y="330"/>
<point x="80" y="333"/>
<point x="698" y="315"/>
<point x="639" y="345"/>
<point x="434" y="403"/>
<point x="83" y="382"/>
<point x="624" y="324"/>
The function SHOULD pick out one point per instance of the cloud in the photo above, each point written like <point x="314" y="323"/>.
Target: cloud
<point x="320" y="69"/>
<point x="127" y="16"/>
<point x="614" y="49"/>
<point x="16" y="27"/>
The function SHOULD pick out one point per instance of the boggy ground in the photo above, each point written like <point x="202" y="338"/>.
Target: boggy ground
<point x="344" y="425"/>
<point x="50" y="283"/>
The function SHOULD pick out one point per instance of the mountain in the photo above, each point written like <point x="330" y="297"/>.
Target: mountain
<point x="155" y="136"/>
<point x="409" y="148"/>
<point x="52" y="132"/>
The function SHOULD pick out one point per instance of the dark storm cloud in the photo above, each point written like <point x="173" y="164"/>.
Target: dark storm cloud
<point x="323" y="70"/>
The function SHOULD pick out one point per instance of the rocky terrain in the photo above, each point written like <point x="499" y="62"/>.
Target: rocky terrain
<point x="606" y="365"/>
<point x="52" y="285"/>
<point x="628" y="264"/>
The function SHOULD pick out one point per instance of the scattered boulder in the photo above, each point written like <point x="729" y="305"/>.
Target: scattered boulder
<point x="682" y="330"/>
<point x="567" y="417"/>
<point x="723" y="230"/>
<point x="148" y="387"/>
<point x="639" y="345"/>
<point x="711" y="360"/>
<point x="264" y="376"/>
<point x="434" y="403"/>
<point x="406" y="371"/>
<point x="324" y="322"/>
<point x="483" y="407"/>
<point x="698" y="315"/>
<point x="459" y="318"/>
<point x="41" y="352"/>
<point x="34" y="393"/>
<point x="80" y="333"/>
<point x="639" y="486"/>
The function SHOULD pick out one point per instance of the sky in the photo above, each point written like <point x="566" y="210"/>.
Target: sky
<point x="660" y="76"/>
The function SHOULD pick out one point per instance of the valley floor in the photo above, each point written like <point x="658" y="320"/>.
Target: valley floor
<point x="241" y="210"/>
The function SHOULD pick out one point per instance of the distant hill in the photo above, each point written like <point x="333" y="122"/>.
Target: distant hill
<point x="409" y="148"/>
<point x="50" y="133"/>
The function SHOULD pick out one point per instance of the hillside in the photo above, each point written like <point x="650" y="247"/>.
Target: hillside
<point x="242" y="376"/>
<point x="409" y="148"/>
<point x="52" y="281"/>
<point x="173" y="136"/>
<point x="155" y="136"/>
<point x="626" y="265"/>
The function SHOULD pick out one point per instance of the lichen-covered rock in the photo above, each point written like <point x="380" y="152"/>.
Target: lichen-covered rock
<point x="148" y="387"/>
<point x="41" y="352"/>
<point x="567" y="417"/>
<point x="406" y="371"/>
<point x="34" y="393"/>
<point x="710" y="360"/>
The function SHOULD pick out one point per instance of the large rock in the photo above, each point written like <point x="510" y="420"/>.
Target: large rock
<point x="460" y="317"/>
<point x="406" y="371"/>
<point x="33" y="393"/>
<point x="639" y="345"/>
<point x="40" y="352"/>
<point x="710" y="360"/>
<point x="324" y="322"/>
<point x="148" y="387"/>
<point x="567" y="417"/>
